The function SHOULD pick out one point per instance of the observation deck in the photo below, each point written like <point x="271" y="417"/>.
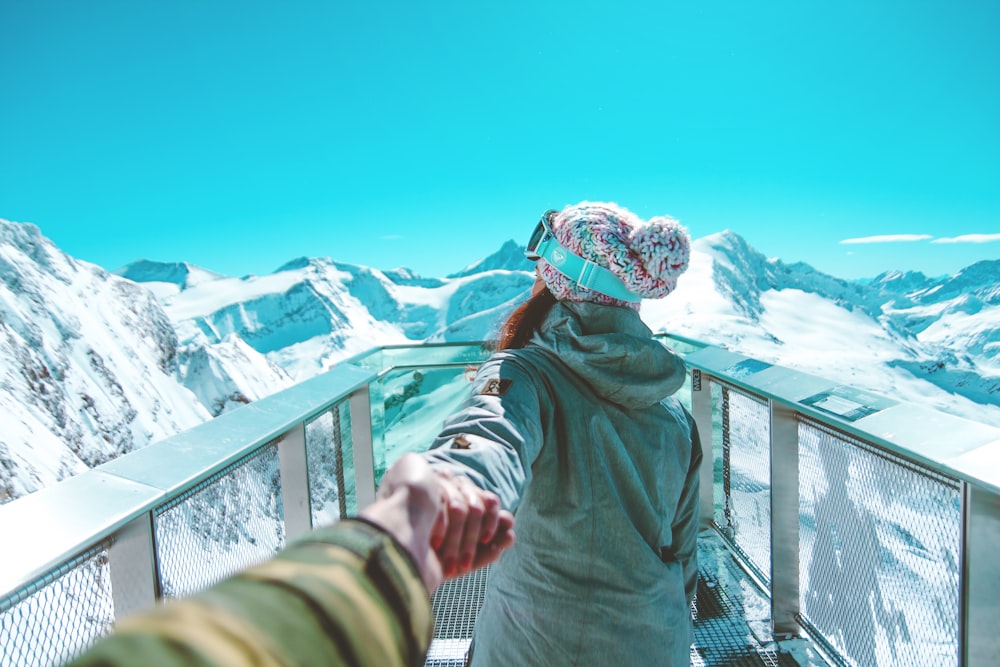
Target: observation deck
<point x="838" y="527"/>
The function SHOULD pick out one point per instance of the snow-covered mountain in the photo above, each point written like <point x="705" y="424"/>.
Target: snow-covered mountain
<point x="89" y="365"/>
<point x="311" y="313"/>
<point x="92" y="366"/>
<point x="179" y="344"/>
<point x="929" y="341"/>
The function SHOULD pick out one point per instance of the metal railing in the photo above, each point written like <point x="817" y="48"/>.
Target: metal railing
<point x="874" y="525"/>
<point x="184" y="513"/>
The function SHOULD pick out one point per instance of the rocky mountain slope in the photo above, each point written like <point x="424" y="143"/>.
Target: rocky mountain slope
<point x="89" y="365"/>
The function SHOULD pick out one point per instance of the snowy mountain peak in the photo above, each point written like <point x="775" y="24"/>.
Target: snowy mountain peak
<point x="229" y="374"/>
<point x="510" y="257"/>
<point x="404" y="276"/>
<point x="744" y="274"/>
<point x="300" y="263"/>
<point x="26" y="242"/>
<point x="182" y="274"/>
<point x="900" y="282"/>
<point x="981" y="280"/>
<point x="977" y="283"/>
<point x="729" y="248"/>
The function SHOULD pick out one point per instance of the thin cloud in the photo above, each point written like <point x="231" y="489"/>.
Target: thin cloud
<point x="970" y="238"/>
<point x="887" y="238"/>
<point x="392" y="237"/>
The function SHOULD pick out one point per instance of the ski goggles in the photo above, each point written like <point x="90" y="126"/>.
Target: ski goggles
<point x="541" y="237"/>
<point x="543" y="245"/>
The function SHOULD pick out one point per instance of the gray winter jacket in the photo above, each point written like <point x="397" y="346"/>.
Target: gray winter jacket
<point x="578" y="434"/>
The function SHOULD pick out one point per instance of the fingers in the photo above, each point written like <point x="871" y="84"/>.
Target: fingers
<point x="503" y="538"/>
<point x="491" y="517"/>
<point x="477" y="529"/>
<point x="464" y="509"/>
<point x="440" y="528"/>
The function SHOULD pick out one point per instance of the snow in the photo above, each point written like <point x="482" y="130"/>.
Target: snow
<point x="96" y="364"/>
<point x="921" y="351"/>
<point x="88" y="367"/>
<point x="436" y="298"/>
<point x="218" y="294"/>
<point x="230" y="373"/>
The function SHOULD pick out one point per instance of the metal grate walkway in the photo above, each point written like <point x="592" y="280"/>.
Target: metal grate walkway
<point x="456" y="605"/>
<point x="732" y="624"/>
<point x="731" y="615"/>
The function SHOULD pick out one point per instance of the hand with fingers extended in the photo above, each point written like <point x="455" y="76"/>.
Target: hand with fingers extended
<point x="449" y="526"/>
<point x="473" y="529"/>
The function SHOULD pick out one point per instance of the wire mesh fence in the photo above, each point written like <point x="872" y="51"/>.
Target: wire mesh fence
<point x="329" y="486"/>
<point x="880" y="553"/>
<point x="59" y="615"/>
<point x="743" y="503"/>
<point x="232" y="520"/>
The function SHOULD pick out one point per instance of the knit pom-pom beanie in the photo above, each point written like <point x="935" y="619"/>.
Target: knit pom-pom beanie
<point x="647" y="256"/>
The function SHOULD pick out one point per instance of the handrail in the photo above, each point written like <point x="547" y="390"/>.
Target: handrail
<point x="945" y="443"/>
<point x="69" y="517"/>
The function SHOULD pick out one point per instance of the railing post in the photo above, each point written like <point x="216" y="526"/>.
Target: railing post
<point x="784" y="521"/>
<point x="295" y="482"/>
<point x="364" y="456"/>
<point x="981" y="580"/>
<point x="132" y="567"/>
<point x="701" y="410"/>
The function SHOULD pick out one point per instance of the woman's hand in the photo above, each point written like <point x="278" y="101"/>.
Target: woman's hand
<point x="473" y="529"/>
<point x="449" y="526"/>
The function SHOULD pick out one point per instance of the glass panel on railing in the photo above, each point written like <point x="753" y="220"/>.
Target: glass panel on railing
<point x="743" y="474"/>
<point x="436" y="355"/>
<point x="371" y="360"/>
<point x="682" y="346"/>
<point x="229" y="522"/>
<point x="414" y="405"/>
<point x="880" y="557"/>
<point x="59" y="615"/>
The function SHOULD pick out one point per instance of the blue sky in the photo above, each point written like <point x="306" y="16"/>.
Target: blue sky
<point x="240" y="135"/>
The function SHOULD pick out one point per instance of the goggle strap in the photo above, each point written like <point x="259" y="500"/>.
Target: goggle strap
<point x="588" y="275"/>
<point x="583" y="272"/>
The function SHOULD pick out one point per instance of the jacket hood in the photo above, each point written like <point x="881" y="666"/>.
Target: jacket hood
<point x="613" y="350"/>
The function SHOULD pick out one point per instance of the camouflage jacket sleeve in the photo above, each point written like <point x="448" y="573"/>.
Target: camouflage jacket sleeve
<point x="344" y="595"/>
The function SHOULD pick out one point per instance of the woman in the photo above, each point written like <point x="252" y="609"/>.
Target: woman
<point x="573" y="424"/>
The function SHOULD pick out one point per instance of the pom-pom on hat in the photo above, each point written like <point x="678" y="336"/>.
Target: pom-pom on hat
<point x="647" y="256"/>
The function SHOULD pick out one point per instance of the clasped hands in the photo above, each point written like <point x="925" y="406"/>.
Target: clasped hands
<point x="448" y="524"/>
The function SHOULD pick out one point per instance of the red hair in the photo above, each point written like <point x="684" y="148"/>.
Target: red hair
<point x="525" y="321"/>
